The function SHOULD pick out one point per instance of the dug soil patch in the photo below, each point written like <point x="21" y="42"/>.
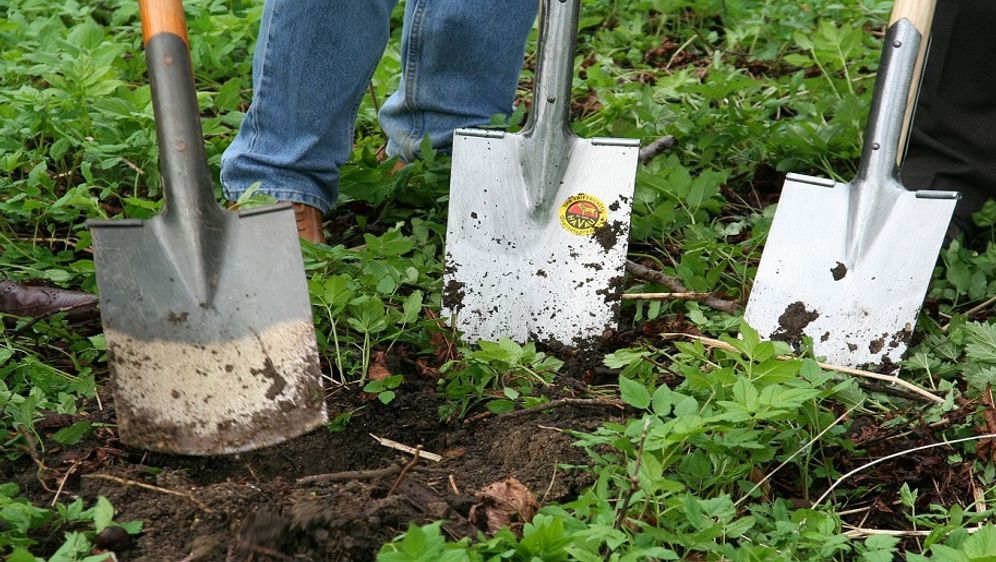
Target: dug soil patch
<point x="323" y="496"/>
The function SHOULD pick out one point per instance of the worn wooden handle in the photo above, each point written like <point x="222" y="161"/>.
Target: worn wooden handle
<point x="919" y="12"/>
<point x="162" y="16"/>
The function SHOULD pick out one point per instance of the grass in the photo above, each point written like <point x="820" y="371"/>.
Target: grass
<point x="723" y="448"/>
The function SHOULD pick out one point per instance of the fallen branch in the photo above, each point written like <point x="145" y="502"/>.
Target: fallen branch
<point x="665" y="296"/>
<point x="719" y="344"/>
<point x="598" y="402"/>
<point x="371" y="474"/>
<point x="674" y="284"/>
<point x="391" y="444"/>
<point x="143" y="485"/>
<point x="350" y="475"/>
<point x="656" y="148"/>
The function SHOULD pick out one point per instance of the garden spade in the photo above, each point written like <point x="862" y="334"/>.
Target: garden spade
<point x="539" y="221"/>
<point x="848" y="264"/>
<point x="206" y="312"/>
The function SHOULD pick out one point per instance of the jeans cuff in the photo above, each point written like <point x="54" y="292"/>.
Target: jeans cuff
<point x="284" y="194"/>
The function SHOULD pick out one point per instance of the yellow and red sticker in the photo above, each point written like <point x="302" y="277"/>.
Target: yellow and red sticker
<point x="583" y="214"/>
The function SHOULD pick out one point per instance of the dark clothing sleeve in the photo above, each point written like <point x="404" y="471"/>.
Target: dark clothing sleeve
<point x="953" y="140"/>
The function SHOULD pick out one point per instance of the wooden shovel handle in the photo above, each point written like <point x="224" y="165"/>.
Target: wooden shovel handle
<point x="162" y="16"/>
<point x="919" y="12"/>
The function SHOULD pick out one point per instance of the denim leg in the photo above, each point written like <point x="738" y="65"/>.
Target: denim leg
<point x="461" y="61"/>
<point x="311" y="67"/>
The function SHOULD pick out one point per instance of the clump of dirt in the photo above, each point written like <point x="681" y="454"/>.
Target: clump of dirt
<point x="792" y="322"/>
<point x="839" y="271"/>
<point x="609" y="234"/>
<point x="453" y="294"/>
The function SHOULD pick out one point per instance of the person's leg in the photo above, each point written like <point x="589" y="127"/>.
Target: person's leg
<point x="461" y="62"/>
<point x="311" y="67"/>
<point x="953" y="140"/>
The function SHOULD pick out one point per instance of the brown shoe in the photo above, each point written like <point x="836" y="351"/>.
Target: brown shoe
<point x="309" y="223"/>
<point x="382" y="157"/>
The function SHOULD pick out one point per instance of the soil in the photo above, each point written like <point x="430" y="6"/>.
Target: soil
<point x="792" y="322"/>
<point x="304" y="499"/>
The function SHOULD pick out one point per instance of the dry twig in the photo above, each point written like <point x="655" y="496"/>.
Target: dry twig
<point x="372" y="474"/>
<point x="391" y="444"/>
<point x="860" y="532"/>
<point x="62" y="482"/>
<point x="827" y="366"/>
<point x="972" y="311"/>
<point x="674" y="284"/>
<point x="892" y="456"/>
<point x="143" y="485"/>
<point x="404" y="471"/>
<point x="656" y="148"/>
<point x="665" y="296"/>
<point x="350" y="475"/>
<point x="553" y="478"/>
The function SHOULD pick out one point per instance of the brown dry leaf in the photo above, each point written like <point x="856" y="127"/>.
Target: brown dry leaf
<point x="378" y="367"/>
<point x="507" y="503"/>
<point x="425" y="370"/>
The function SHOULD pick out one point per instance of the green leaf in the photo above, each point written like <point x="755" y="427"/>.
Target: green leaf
<point x="72" y="434"/>
<point x="229" y="95"/>
<point x="412" y="307"/>
<point x="422" y="544"/>
<point x="981" y="546"/>
<point x="500" y="406"/>
<point x="5" y="354"/>
<point x="75" y="547"/>
<point x="103" y="513"/>
<point x="625" y="357"/>
<point x="661" y="401"/>
<point x="880" y="548"/>
<point x="981" y="341"/>
<point x="634" y="393"/>
<point x="21" y="555"/>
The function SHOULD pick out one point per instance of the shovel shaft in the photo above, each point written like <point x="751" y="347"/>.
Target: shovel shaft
<point x="887" y="116"/>
<point x="162" y="16"/>
<point x="187" y="182"/>
<point x="550" y="116"/>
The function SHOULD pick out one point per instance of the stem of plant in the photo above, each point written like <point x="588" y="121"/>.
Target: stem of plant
<point x="634" y="479"/>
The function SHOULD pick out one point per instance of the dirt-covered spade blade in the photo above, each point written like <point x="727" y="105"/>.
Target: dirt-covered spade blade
<point x="206" y="312"/>
<point x="848" y="264"/>
<point x="539" y="221"/>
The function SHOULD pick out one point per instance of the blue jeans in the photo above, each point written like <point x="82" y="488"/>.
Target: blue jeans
<point x="314" y="58"/>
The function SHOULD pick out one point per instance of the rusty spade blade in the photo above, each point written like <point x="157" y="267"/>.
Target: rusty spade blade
<point x="848" y="264"/>
<point x="206" y="312"/>
<point x="539" y="221"/>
